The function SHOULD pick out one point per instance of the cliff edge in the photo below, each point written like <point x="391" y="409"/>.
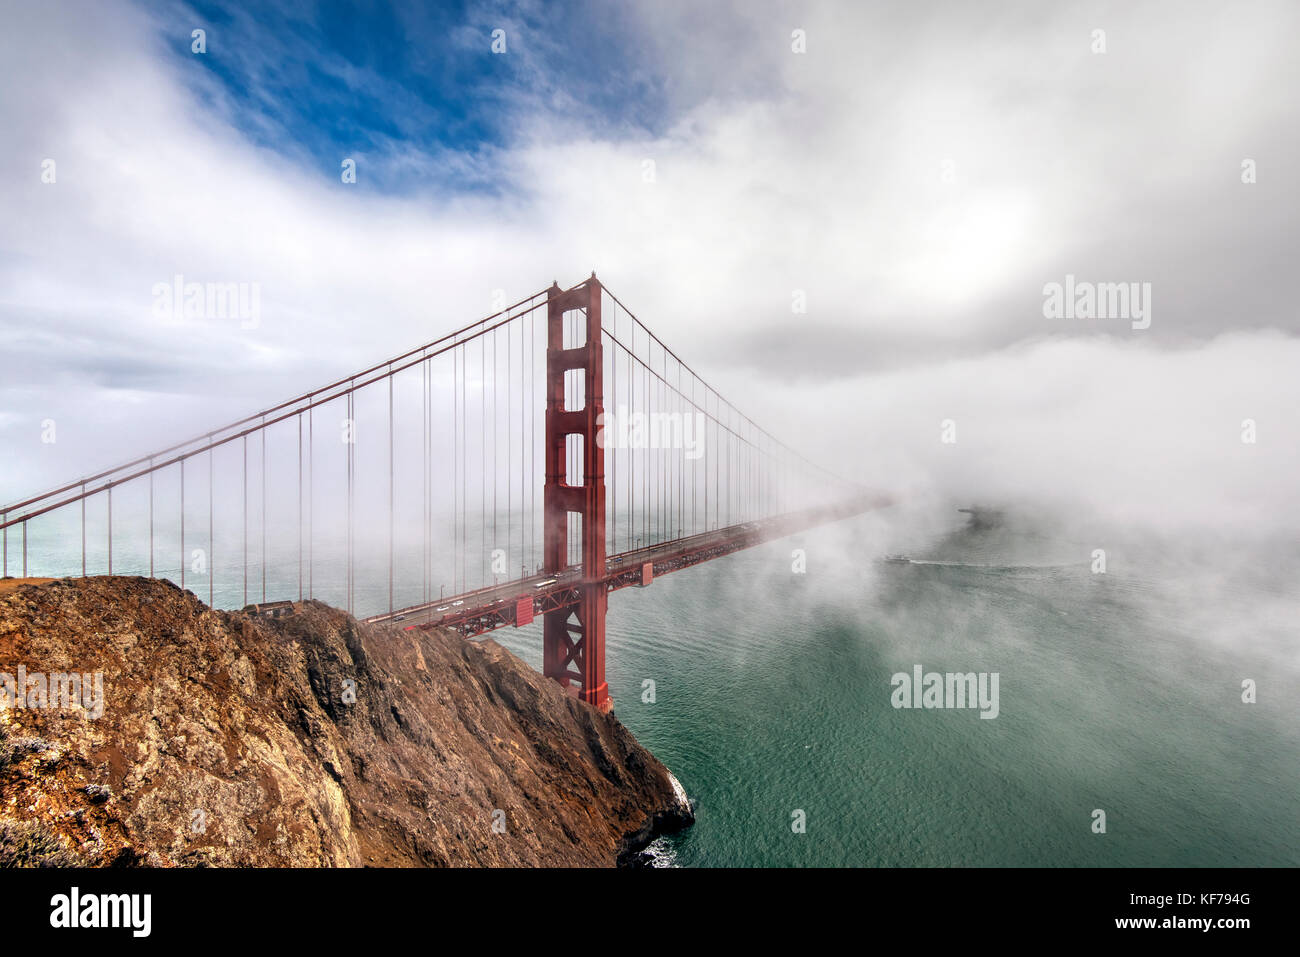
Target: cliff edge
<point x="308" y="740"/>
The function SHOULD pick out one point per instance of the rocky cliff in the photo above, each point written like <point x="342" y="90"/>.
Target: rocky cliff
<point x="308" y="740"/>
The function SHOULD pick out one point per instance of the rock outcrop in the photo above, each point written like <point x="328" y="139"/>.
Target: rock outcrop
<point x="308" y="740"/>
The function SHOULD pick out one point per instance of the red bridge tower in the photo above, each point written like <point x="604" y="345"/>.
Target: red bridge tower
<point x="573" y="638"/>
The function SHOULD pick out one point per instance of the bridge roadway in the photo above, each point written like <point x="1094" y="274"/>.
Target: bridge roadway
<point x="520" y="601"/>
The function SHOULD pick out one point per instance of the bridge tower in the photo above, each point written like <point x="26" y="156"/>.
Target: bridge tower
<point x="573" y="638"/>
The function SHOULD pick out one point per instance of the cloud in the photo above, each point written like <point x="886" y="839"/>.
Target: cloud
<point x="773" y="173"/>
<point x="1105" y="431"/>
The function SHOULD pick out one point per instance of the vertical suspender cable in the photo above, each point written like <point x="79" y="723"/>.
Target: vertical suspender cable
<point x="631" y="453"/>
<point x="300" y="506"/>
<point x="391" y="489"/>
<point x="245" y="510"/>
<point x="464" y="469"/>
<point x="352" y="438"/>
<point x="510" y="447"/>
<point x="495" y="413"/>
<point x="647" y="465"/>
<point x="150" y="516"/>
<point x="424" y="475"/>
<point x="212" y="546"/>
<point x="311" y="481"/>
<point x="428" y="490"/>
<point x="612" y="533"/>
<point x="263" y="508"/>
<point x="182" y="524"/>
<point x="453" y="462"/>
<point x="482" y="392"/>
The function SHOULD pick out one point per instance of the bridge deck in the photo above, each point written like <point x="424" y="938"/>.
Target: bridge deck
<point x="496" y="606"/>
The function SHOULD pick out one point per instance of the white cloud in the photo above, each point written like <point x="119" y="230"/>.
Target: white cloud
<point x="819" y="172"/>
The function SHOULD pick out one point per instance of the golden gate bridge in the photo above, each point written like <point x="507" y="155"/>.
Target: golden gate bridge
<point x="634" y="468"/>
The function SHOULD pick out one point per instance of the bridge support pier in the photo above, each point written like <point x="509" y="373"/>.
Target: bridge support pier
<point x="573" y="639"/>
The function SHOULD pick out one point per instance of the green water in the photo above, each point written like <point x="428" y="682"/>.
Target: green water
<point x="1118" y="691"/>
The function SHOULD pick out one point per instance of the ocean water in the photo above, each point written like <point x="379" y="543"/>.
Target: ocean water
<point x="1118" y="691"/>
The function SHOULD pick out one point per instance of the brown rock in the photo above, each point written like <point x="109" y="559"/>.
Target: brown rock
<point x="308" y="740"/>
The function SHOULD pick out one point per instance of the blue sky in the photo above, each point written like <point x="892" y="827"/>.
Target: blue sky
<point x="369" y="80"/>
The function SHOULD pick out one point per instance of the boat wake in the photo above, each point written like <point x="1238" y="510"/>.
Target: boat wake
<point x="898" y="560"/>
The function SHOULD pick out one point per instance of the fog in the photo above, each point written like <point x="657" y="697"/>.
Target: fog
<point x="915" y="179"/>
